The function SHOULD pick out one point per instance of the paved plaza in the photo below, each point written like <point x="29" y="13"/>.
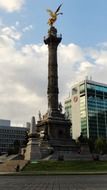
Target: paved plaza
<point x="70" y="182"/>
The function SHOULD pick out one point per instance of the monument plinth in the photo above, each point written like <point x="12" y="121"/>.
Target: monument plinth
<point x="33" y="148"/>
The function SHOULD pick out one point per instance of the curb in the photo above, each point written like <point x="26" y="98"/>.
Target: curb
<point x="50" y="173"/>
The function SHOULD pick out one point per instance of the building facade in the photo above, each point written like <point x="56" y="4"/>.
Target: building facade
<point x="9" y="134"/>
<point x="89" y="109"/>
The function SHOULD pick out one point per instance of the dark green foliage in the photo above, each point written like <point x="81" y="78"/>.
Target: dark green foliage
<point x="26" y="140"/>
<point x="10" y="151"/>
<point x="60" y="158"/>
<point x="91" y="145"/>
<point x="81" y="139"/>
<point x="100" y="145"/>
<point x="16" y="146"/>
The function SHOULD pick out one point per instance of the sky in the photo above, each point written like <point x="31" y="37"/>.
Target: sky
<point x="24" y="56"/>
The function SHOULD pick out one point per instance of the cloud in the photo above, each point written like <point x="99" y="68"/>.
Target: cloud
<point x="24" y="73"/>
<point x="11" y="5"/>
<point x="27" y="28"/>
<point x="11" y="32"/>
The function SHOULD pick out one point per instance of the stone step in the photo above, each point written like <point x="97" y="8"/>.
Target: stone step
<point x="69" y="155"/>
<point x="10" y="166"/>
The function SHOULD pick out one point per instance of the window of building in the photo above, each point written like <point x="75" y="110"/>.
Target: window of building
<point x="82" y="88"/>
<point x="74" y="91"/>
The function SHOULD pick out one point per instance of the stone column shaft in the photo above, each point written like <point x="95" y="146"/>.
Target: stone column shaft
<point x="53" y="41"/>
<point x="52" y="78"/>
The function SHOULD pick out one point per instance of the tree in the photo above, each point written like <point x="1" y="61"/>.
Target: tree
<point x="26" y="140"/>
<point x="91" y="144"/>
<point x="16" y="146"/>
<point x="81" y="139"/>
<point x="100" y="145"/>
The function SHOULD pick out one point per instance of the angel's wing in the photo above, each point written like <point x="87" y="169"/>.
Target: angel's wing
<point x="50" y="12"/>
<point x="57" y="10"/>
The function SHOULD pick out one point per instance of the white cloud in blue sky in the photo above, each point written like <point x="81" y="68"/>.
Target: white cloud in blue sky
<point x="23" y="56"/>
<point x="11" y="5"/>
<point x="11" y="32"/>
<point x="27" y="28"/>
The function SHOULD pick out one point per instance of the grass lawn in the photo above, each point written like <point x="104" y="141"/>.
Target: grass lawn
<point x="66" y="166"/>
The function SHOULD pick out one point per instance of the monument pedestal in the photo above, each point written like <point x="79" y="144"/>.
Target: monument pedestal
<point x="33" y="146"/>
<point x="56" y="131"/>
<point x="33" y="150"/>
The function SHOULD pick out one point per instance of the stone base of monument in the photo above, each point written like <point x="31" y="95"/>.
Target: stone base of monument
<point x="56" y="132"/>
<point x="33" y="150"/>
<point x="69" y="155"/>
<point x="45" y="148"/>
<point x="84" y="149"/>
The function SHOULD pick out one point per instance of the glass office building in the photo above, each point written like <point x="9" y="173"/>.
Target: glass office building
<point x="89" y="109"/>
<point x="9" y="134"/>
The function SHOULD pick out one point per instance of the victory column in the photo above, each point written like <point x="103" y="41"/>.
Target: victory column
<point x="53" y="129"/>
<point x="56" y="127"/>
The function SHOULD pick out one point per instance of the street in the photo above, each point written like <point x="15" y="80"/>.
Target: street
<point x="70" y="182"/>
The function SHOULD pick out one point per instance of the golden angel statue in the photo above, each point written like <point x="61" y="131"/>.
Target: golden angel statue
<point x="53" y="15"/>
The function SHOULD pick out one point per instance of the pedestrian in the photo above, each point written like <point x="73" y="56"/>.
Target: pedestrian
<point x="17" y="168"/>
